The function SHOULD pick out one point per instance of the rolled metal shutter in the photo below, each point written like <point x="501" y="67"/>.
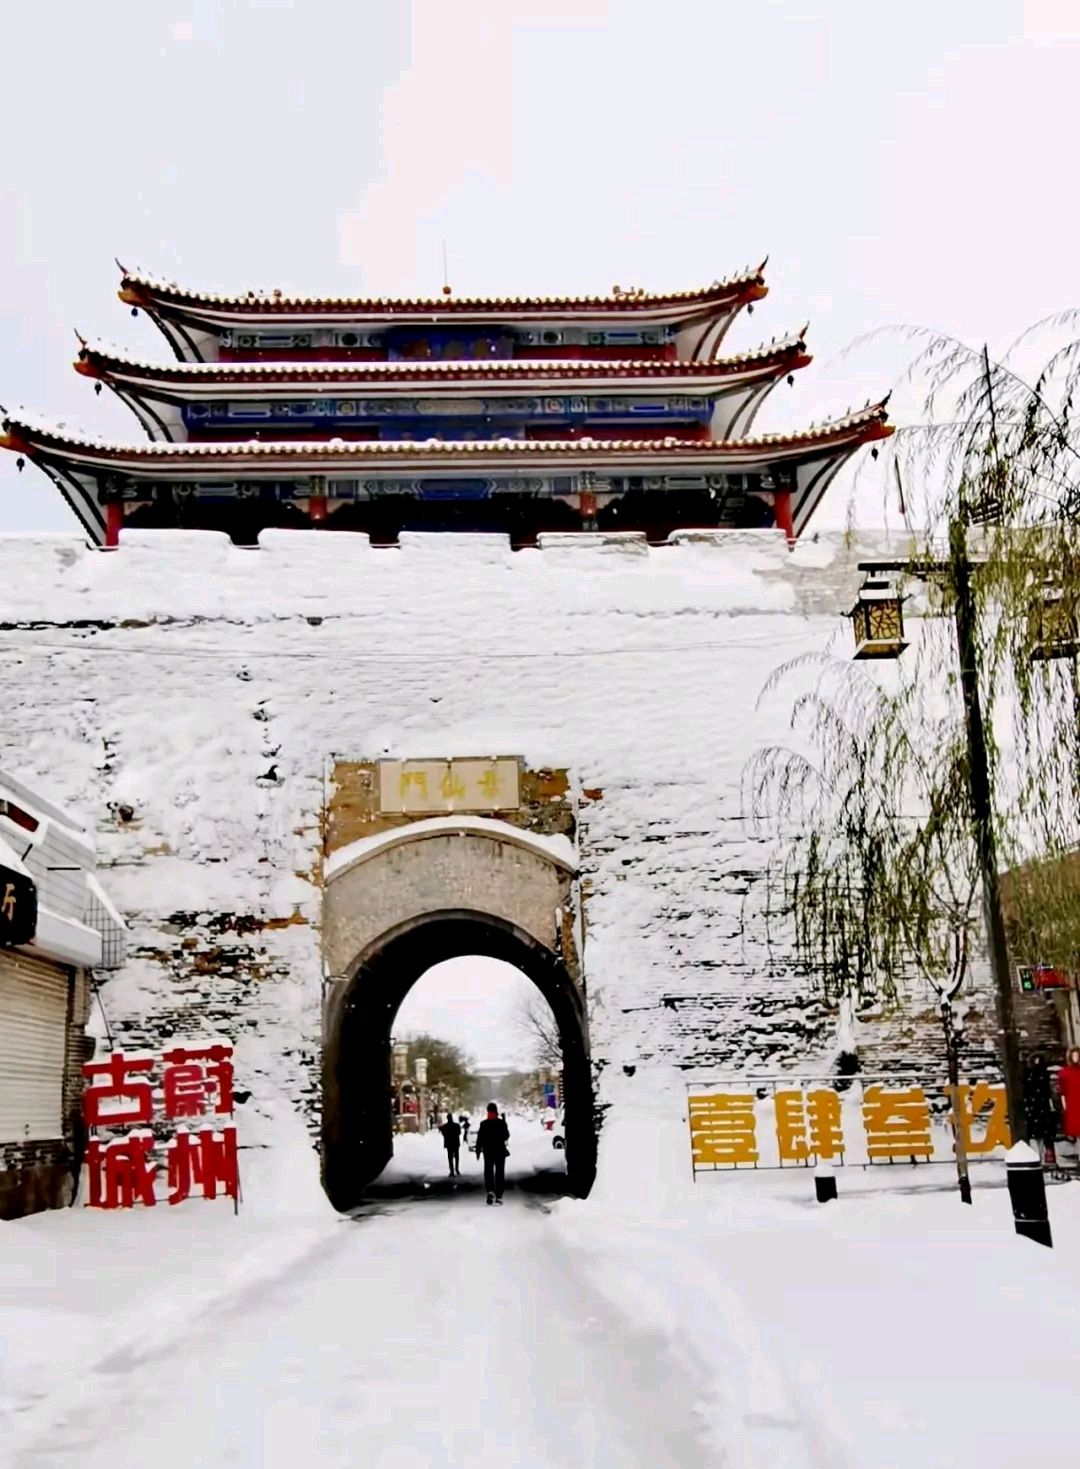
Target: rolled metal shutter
<point x="34" y="998"/>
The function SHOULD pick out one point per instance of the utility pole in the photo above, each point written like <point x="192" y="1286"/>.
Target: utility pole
<point x="959" y="569"/>
<point x="982" y="816"/>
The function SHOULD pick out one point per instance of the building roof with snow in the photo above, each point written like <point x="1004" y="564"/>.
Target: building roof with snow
<point x="521" y="415"/>
<point x="76" y="922"/>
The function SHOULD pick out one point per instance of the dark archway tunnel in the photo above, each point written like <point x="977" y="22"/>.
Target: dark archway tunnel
<point x="359" y="1018"/>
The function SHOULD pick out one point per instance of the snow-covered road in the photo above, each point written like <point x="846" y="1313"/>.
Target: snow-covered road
<point x="731" y="1324"/>
<point x="439" y="1332"/>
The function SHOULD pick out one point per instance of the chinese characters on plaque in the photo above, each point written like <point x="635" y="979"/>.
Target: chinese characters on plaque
<point x="780" y="1123"/>
<point x="436" y="787"/>
<point x="130" y="1101"/>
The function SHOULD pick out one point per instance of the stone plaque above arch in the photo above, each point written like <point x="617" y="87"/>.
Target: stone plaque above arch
<point x="384" y="871"/>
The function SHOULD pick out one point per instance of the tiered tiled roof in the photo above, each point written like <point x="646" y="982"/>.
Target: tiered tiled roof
<point x="636" y="363"/>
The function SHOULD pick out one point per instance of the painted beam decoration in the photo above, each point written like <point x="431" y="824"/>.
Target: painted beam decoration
<point x="776" y="1122"/>
<point x="156" y="1129"/>
<point x="412" y="412"/>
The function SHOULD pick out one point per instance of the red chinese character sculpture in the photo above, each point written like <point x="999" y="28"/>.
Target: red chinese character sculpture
<point x="120" y="1173"/>
<point x="193" y="1088"/>
<point x="116" y="1086"/>
<point x="203" y="1160"/>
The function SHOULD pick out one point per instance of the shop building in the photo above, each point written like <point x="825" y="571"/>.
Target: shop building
<point x="57" y="930"/>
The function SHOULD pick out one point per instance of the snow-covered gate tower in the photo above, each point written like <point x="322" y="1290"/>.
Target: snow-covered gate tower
<point x="565" y="556"/>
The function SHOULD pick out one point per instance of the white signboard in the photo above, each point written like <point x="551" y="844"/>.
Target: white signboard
<point x="435" y="787"/>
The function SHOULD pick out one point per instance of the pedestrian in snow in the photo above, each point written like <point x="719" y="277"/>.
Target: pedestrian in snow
<point x="451" y="1136"/>
<point x="464" y="1120"/>
<point x="492" y="1137"/>
<point x="1068" y="1085"/>
<point x="1040" y="1114"/>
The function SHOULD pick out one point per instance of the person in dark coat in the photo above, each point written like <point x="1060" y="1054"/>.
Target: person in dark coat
<point x="492" y="1137"/>
<point x="464" y="1120"/>
<point x="451" y="1136"/>
<point x="1040" y="1114"/>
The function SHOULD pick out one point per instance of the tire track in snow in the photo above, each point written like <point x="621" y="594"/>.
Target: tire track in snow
<point x="446" y="1334"/>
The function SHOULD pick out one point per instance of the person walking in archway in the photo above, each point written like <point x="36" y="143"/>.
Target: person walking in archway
<point x="492" y="1137"/>
<point x="451" y="1136"/>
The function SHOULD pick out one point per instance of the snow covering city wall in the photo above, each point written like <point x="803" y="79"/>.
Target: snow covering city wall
<point x="188" y="697"/>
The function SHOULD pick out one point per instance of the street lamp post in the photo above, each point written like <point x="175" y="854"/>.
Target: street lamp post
<point x="887" y="612"/>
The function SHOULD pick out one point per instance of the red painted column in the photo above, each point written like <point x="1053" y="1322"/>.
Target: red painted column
<point x="782" y="511"/>
<point x="317" y="509"/>
<point x="114" y="520"/>
<point x="588" y="509"/>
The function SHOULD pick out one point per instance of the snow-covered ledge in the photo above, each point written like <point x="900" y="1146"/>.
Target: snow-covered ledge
<point x="556" y="849"/>
<point x="63" y="938"/>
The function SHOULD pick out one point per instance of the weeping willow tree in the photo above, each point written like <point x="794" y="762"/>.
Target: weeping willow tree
<point x="893" y="820"/>
<point x="876" y="877"/>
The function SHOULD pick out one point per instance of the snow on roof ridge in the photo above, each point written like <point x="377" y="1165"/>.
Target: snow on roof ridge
<point x="277" y="297"/>
<point x="390" y="448"/>
<point x="56" y="428"/>
<point x="12" y="784"/>
<point x="578" y="366"/>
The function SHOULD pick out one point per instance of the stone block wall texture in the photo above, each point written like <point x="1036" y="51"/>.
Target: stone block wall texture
<point x="198" y="704"/>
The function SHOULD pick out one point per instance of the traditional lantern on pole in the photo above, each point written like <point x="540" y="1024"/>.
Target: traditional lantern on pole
<point x="877" y="618"/>
<point x="1052" y="630"/>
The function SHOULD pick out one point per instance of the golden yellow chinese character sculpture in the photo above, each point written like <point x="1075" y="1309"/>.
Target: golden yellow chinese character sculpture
<point x="723" y="1129"/>
<point x="972" y="1102"/>
<point x="826" y="1124"/>
<point x="809" y="1125"/>
<point x="791" y="1127"/>
<point x="897" y="1123"/>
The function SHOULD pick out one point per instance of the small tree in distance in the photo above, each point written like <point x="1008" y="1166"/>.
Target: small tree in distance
<point x="537" y="1026"/>
<point x="450" y="1077"/>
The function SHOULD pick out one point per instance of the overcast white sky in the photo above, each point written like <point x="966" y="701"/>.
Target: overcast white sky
<point x="907" y="162"/>
<point x="477" y="1004"/>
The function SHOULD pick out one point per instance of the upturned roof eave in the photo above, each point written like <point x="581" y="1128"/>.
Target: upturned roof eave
<point x="515" y="375"/>
<point x="679" y="307"/>
<point x="327" y="456"/>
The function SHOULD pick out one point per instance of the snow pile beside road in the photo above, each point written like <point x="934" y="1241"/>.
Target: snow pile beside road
<point x="892" y="1328"/>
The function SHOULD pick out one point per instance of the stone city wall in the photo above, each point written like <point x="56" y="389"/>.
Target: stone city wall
<point x="208" y="709"/>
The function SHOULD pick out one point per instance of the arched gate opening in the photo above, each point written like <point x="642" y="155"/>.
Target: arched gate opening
<point x="357" y="1082"/>
<point x="396" y="905"/>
